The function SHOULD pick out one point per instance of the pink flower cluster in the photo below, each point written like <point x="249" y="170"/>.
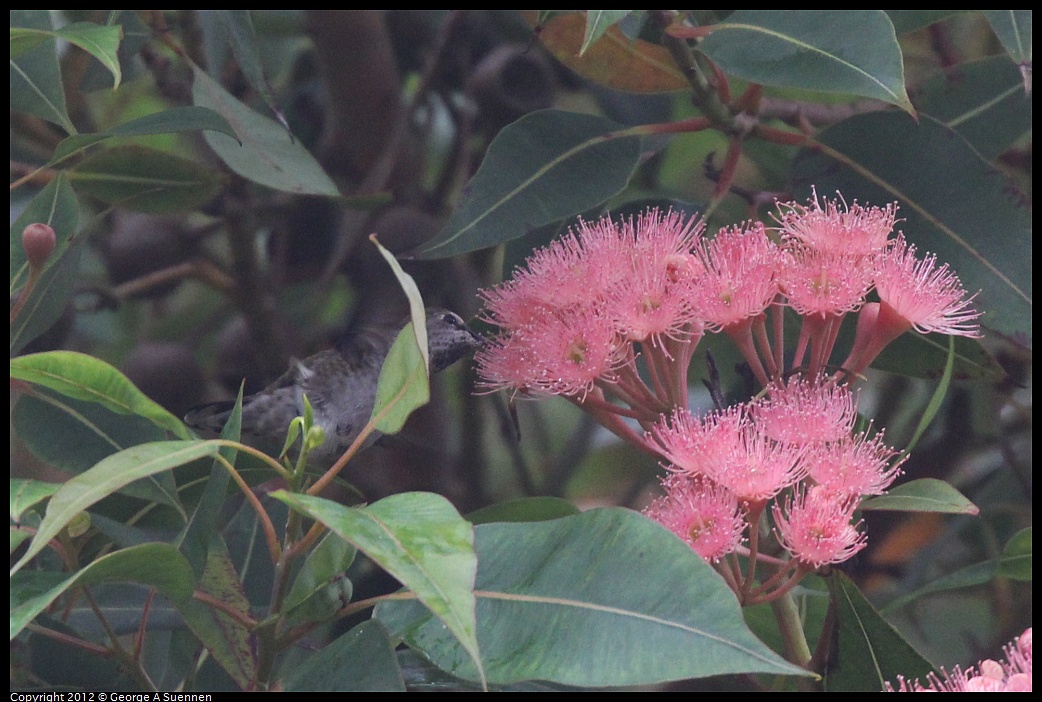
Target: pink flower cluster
<point x="727" y="466"/>
<point x="1011" y="675"/>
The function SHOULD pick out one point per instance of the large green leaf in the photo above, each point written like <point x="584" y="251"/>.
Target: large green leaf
<point x="362" y="660"/>
<point x="853" y="52"/>
<point x="922" y="495"/>
<point x="36" y="79"/>
<point x="602" y="598"/>
<point x="546" y="166"/>
<point x="99" y="41"/>
<point x="145" y="179"/>
<point x="265" y="152"/>
<point x="866" y="650"/>
<point x="953" y="203"/>
<point x="87" y="378"/>
<point x="27" y="493"/>
<point x="107" y="477"/>
<point x="156" y="564"/>
<point x="421" y="540"/>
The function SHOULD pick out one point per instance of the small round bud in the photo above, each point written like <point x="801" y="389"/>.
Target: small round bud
<point x="38" y="240"/>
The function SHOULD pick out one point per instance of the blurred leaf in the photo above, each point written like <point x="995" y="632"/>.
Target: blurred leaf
<point x="227" y="640"/>
<point x="99" y="41"/>
<point x="528" y="509"/>
<point x="143" y="179"/>
<point x="158" y="565"/>
<point x="174" y="120"/>
<point x="606" y="597"/>
<point x="954" y="204"/>
<point x="854" y="52"/>
<point x="362" y="660"/>
<point x="866" y="651"/>
<point x="25" y="494"/>
<point x="542" y="168"/>
<point x="322" y="574"/>
<point x="107" y="477"/>
<point x="1013" y="28"/>
<point x="1015" y="561"/>
<point x="970" y="576"/>
<point x="36" y="79"/>
<point x="983" y="101"/>
<point x="87" y="378"/>
<point x="422" y="541"/>
<point x="910" y="20"/>
<point x="926" y="356"/>
<point x="922" y="495"/>
<point x="265" y="152"/>
<point x="56" y="206"/>
<point x="615" y="61"/>
<point x="936" y="400"/>
<point x="597" y="23"/>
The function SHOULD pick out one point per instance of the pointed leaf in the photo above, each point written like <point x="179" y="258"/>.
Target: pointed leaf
<point x="544" y="167"/>
<point x="326" y="563"/>
<point x="421" y="540"/>
<point x="362" y="660"/>
<point x="922" y="495"/>
<point x="977" y="222"/>
<point x="866" y="650"/>
<point x="145" y="180"/>
<point x="615" y="61"/>
<point x="99" y="41"/>
<point x="602" y="598"/>
<point x="529" y="509"/>
<point x="854" y="52"/>
<point x="87" y="378"/>
<point x="36" y="79"/>
<point x="1015" y="561"/>
<point x="1013" y="28"/>
<point x="597" y="23"/>
<point x="156" y="564"/>
<point x="265" y="152"/>
<point x="25" y="494"/>
<point x="107" y="477"/>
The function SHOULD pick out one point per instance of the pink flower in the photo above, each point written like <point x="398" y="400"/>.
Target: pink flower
<point x="1012" y="675"/>
<point x="739" y="277"/>
<point x="688" y="441"/>
<point x="836" y="228"/>
<point x="822" y="284"/>
<point x="704" y="515"/>
<point x="815" y="527"/>
<point x="750" y="464"/>
<point x="805" y="412"/>
<point x="856" y="466"/>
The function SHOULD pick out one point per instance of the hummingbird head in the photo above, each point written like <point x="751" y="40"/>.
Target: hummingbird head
<point x="449" y="338"/>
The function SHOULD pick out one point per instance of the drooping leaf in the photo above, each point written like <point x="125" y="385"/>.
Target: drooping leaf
<point x="853" y="52"/>
<point x="107" y="477"/>
<point x="976" y="223"/>
<point x="155" y="564"/>
<point x="421" y="540"/>
<point x="542" y="168"/>
<point x="558" y="601"/>
<point x="87" y="378"/>
<point x="99" y="41"/>
<point x="922" y="495"/>
<point x="866" y="650"/>
<point x="362" y="660"/>
<point x="597" y="23"/>
<point x="265" y="152"/>
<point x="36" y="79"/>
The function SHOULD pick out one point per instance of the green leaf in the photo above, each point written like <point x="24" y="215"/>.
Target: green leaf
<point x="970" y="576"/>
<point x="421" y="540"/>
<point x="321" y="587"/>
<point x="99" y="41"/>
<point x="107" y="477"/>
<point x="265" y="152"/>
<point x="922" y="495"/>
<point x="854" y="52"/>
<point x="36" y="79"/>
<point x="954" y="204"/>
<point x="936" y="400"/>
<point x="866" y="650"/>
<point x="528" y="509"/>
<point x="158" y="565"/>
<point x="145" y="180"/>
<point x="602" y="598"/>
<point x="910" y="20"/>
<point x="362" y="660"/>
<point x="983" y="101"/>
<point x="172" y="121"/>
<point x="1013" y="28"/>
<point x="1015" y="561"/>
<point x="87" y="378"/>
<point x="542" y="168"/>
<point x="597" y="23"/>
<point x="25" y="494"/>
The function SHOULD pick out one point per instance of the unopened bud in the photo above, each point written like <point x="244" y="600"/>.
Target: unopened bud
<point x="38" y="240"/>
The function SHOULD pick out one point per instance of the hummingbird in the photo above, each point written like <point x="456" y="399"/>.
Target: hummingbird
<point x="340" y="383"/>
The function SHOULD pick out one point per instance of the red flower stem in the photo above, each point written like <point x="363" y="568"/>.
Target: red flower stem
<point x="614" y="424"/>
<point x="654" y="358"/>
<point x="597" y="400"/>
<point x="741" y="334"/>
<point x="760" y="329"/>
<point x="778" y="316"/>
<point x="753" y="515"/>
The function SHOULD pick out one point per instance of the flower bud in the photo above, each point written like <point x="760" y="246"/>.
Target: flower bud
<point x="38" y="240"/>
